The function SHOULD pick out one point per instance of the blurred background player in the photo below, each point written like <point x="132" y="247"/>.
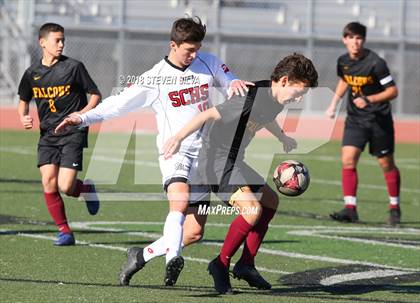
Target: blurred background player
<point x="174" y="104"/>
<point x="59" y="84"/>
<point x="369" y="120"/>
<point x="221" y="163"/>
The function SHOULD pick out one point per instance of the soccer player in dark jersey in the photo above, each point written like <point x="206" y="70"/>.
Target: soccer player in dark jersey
<point x="369" y="119"/>
<point x="58" y="85"/>
<point x="221" y="163"/>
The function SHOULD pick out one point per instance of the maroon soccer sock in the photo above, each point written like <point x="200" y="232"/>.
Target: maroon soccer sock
<point x="56" y="209"/>
<point x="81" y="188"/>
<point x="349" y="180"/>
<point x="256" y="236"/>
<point x="393" y="183"/>
<point x="236" y="235"/>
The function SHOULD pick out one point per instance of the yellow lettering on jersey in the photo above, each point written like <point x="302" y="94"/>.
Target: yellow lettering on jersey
<point x="50" y="92"/>
<point x="357" y="82"/>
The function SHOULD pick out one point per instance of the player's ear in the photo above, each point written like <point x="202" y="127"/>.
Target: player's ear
<point x="283" y="80"/>
<point x="173" y="45"/>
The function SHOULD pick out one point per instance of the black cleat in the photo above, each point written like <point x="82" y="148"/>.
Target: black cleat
<point x="134" y="263"/>
<point x="173" y="269"/>
<point x="394" y="216"/>
<point x="220" y="276"/>
<point x="346" y="215"/>
<point x="251" y="275"/>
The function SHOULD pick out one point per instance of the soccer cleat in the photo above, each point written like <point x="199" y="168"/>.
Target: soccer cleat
<point x="394" y="216"/>
<point x="251" y="275"/>
<point x="91" y="198"/>
<point x="220" y="277"/>
<point x="173" y="269"/>
<point x="135" y="262"/>
<point x="345" y="215"/>
<point x="65" y="239"/>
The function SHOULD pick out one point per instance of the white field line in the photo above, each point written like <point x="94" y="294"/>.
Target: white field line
<point x="16" y="150"/>
<point x="87" y="225"/>
<point x="310" y="233"/>
<point x="119" y="248"/>
<point x="370" y="274"/>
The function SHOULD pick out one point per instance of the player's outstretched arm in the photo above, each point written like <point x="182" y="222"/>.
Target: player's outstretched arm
<point x="340" y="90"/>
<point x="93" y="102"/>
<point x="172" y="145"/>
<point x="239" y="87"/>
<point x="71" y="120"/>
<point x="288" y="142"/>
<point x="25" y="119"/>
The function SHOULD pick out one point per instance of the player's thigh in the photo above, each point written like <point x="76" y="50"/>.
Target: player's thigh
<point x="49" y="177"/>
<point x="194" y="225"/>
<point x="350" y="156"/>
<point x="354" y="141"/>
<point x="269" y="198"/>
<point x="72" y="156"/>
<point x="48" y="154"/>
<point x="178" y="196"/>
<point x="383" y="139"/>
<point x="66" y="179"/>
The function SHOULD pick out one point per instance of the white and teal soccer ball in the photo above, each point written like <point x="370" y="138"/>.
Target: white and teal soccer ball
<point x="291" y="178"/>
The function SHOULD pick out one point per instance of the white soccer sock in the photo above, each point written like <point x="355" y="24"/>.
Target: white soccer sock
<point x="394" y="201"/>
<point x="350" y="200"/>
<point x="172" y="234"/>
<point x="154" y="249"/>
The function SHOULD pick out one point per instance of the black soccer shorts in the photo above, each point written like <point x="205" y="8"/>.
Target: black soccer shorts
<point x="69" y="154"/>
<point x="231" y="178"/>
<point x="378" y="133"/>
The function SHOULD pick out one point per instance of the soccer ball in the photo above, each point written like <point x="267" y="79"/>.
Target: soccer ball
<point x="291" y="178"/>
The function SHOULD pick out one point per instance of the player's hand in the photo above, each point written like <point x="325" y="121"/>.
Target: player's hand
<point x="288" y="143"/>
<point x="71" y="120"/>
<point x="27" y="121"/>
<point x="238" y="87"/>
<point x="360" y="102"/>
<point x="330" y="112"/>
<point x="171" y="147"/>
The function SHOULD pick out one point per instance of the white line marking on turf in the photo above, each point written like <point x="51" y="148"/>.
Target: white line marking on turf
<point x="371" y="274"/>
<point x="311" y="233"/>
<point x="119" y="248"/>
<point x="87" y="225"/>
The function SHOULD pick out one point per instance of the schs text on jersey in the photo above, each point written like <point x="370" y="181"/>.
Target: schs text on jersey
<point x="190" y="95"/>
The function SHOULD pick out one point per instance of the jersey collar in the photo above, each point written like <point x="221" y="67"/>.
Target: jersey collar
<point x="174" y="66"/>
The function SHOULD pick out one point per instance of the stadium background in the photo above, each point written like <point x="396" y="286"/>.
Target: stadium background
<point x="126" y="37"/>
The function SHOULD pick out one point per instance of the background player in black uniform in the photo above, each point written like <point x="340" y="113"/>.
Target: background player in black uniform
<point x="221" y="163"/>
<point x="369" y="119"/>
<point x="58" y="85"/>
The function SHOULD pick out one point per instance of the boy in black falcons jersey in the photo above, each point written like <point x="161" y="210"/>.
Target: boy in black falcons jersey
<point x="59" y="84"/>
<point x="222" y="168"/>
<point x="369" y="119"/>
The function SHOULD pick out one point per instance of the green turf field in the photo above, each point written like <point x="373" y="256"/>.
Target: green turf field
<point x="306" y="256"/>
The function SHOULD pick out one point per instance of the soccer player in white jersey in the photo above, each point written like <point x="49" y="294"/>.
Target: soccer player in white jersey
<point x="177" y="89"/>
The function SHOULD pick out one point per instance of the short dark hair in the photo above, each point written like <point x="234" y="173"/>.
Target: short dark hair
<point x="188" y="30"/>
<point x="354" y="28"/>
<point x="297" y="68"/>
<point x="47" y="28"/>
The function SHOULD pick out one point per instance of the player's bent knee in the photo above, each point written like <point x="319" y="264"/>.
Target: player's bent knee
<point x="66" y="188"/>
<point x="193" y="238"/>
<point x="269" y="198"/>
<point x="49" y="184"/>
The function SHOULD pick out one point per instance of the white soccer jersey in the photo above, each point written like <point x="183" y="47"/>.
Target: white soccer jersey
<point x="176" y="95"/>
